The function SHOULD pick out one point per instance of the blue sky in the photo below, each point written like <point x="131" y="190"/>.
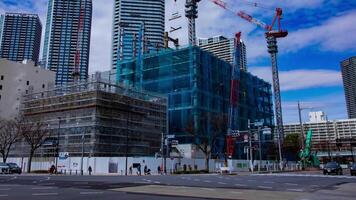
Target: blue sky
<point x="321" y="34"/>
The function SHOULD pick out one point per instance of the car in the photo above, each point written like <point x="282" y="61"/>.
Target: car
<point x="332" y="168"/>
<point x="4" y="168"/>
<point x="353" y="169"/>
<point x="14" y="168"/>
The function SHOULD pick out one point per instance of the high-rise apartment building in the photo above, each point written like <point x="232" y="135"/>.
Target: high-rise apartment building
<point x="348" y="69"/>
<point x="129" y="18"/>
<point x="223" y="48"/>
<point x="20" y="36"/>
<point x="67" y="39"/>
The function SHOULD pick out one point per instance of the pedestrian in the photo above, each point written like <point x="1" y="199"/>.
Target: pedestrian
<point x="159" y="169"/>
<point x="145" y="170"/>
<point x="52" y="169"/>
<point x="90" y="170"/>
<point x="139" y="170"/>
<point x="130" y="170"/>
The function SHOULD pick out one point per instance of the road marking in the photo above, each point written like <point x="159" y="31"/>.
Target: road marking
<point x="264" y="187"/>
<point x="251" y="180"/>
<point x="208" y="189"/>
<point x="235" y="192"/>
<point x="44" y="194"/>
<point x="221" y="183"/>
<point x="157" y="182"/>
<point x="43" y="188"/>
<point x="269" y="182"/>
<point x="240" y="185"/>
<point x="207" y="181"/>
<point x="295" y="190"/>
<point x="294" y="184"/>
<point x="45" y="184"/>
<point x="196" y="180"/>
<point x="86" y="193"/>
<point x="4" y="195"/>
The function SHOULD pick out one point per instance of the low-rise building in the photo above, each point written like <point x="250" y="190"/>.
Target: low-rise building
<point x="330" y="138"/>
<point x="17" y="78"/>
<point x="98" y="119"/>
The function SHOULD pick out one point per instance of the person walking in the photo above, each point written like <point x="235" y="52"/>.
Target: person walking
<point x="90" y="170"/>
<point x="130" y="170"/>
<point x="139" y="170"/>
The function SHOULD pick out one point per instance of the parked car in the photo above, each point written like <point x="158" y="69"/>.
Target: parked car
<point x="353" y="169"/>
<point x="4" y="168"/>
<point x="332" y="168"/>
<point x="14" y="168"/>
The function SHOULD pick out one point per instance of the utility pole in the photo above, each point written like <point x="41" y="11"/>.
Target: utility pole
<point x="327" y="133"/>
<point x="301" y="125"/>
<point x="250" y="144"/>
<point x="127" y="143"/>
<point x="260" y="148"/>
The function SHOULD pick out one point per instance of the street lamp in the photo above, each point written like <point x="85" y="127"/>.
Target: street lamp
<point x="82" y="158"/>
<point x="57" y="145"/>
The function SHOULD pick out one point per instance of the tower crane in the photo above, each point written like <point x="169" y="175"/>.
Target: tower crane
<point x="271" y="37"/>
<point x="76" y="73"/>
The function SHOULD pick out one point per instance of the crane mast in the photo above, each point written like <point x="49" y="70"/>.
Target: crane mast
<point x="271" y="37"/>
<point x="191" y="12"/>
<point x="76" y="73"/>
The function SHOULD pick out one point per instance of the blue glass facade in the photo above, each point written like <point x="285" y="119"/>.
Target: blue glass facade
<point x="20" y="36"/>
<point x="67" y="38"/>
<point x="198" y="88"/>
<point x="129" y="17"/>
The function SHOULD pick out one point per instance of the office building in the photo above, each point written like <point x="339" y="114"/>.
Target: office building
<point x="129" y="18"/>
<point x="197" y="84"/>
<point x="67" y="39"/>
<point x="348" y="69"/>
<point x="223" y="48"/>
<point x="112" y="119"/>
<point x="20" y="36"/>
<point x="17" y="79"/>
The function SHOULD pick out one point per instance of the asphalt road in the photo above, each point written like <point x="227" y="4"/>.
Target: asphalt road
<point x="180" y="187"/>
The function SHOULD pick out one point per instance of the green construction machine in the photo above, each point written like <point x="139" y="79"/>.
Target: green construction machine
<point x="308" y="159"/>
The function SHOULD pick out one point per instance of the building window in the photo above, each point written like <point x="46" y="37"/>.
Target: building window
<point x="0" y="87"/>
<point x="2" y="77"/>
<point x="43" y="85"/>
<point x="27" y="82"/>
<point x="0" y="97"/>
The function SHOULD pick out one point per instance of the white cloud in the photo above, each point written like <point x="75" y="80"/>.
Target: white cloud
<point x="101" y="33"/>
<point x="335" y="34"/>
<point x="333" y="105"/>
<point x="301" y="79"/>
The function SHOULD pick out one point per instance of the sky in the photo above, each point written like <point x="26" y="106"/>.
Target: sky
<point x="322" y="33"/>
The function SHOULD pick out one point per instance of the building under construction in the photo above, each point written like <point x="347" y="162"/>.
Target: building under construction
<point x="113" y="120"/>
<point x="197" y="84"/>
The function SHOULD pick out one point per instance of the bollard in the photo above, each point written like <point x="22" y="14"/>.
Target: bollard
<point x="76" y="172"/>
<point x="65" y="172"/>
<point x="70" y="172"/>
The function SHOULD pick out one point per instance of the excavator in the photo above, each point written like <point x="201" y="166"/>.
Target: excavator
<point x="308" y="159"/>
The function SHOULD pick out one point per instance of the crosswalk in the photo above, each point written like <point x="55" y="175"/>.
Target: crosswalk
<point x="306" y="175"/>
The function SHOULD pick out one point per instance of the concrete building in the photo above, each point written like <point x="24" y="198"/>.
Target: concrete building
<point x="328" y="135"/>
<point x="129" y="18"/>
<point x="67" y="39"/>
<point x="20" y="36"/>
<point x="223" y="48"/>
<point x="113" y="120"/>
<point x="318" y="116"/>
<point x="197" y="84"/>
<point x="20" y="78"/>
<point x="348" y="69"/>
